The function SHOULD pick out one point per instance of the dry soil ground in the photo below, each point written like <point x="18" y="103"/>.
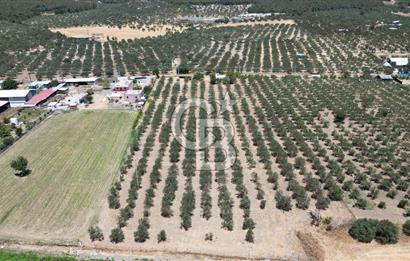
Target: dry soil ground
<point x="127" y="32"/>
<point x="123" y="33"/>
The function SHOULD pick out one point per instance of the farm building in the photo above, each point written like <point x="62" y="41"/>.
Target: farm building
<point x="38" y="85"/>
<point x="92" y="37"/>
<point x="41" y="97"/>
<point x="220" y="76"/>
<point x="250" y="16"/>
<point x="123" y="85"/>
<point x="82" y="81"/>
<point x="142" y="81"/>
<point x="384" y="77"/>
<point x="194" y="19"/>
<point x="4" y="105"/>
<point x="16" y="98"/>
<point x="133" y="96"/>
<point x="397" y="62"/>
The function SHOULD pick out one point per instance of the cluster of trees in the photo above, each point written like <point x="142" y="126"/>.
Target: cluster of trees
<point x="298" y="7"/>
<point x="187" y="205"/>
<point x="6" y="138"/>
<point x="95" y="233"/>
<point x="340" y="172"/>
<point x="113" y="196"/>
<point x="171" y="186"/>
<point x="189" y="167"/>
<point x="9" y="84"/>
<point x="20" y="164"/>
<point x="205" y="183"/>
<point x="260" y="193"/>
<point x="365" y="230"/>
<point x="141" y="235"/>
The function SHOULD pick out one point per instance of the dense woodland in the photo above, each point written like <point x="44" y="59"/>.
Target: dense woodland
<point x="18" y="10"/>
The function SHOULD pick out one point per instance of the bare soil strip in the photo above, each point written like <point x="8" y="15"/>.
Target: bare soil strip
<point x="126" y="32"/>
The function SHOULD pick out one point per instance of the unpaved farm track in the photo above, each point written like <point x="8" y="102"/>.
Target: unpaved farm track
<point x="117" y="254"/>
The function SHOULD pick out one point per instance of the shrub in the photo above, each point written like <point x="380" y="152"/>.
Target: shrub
<point x="391" y="194"/>
<point x="327" y="221"/>
<point x="321" y="201"/>
<point x="248" y="223"/>
<point x="335" y="193"/>
<point x="9" y="84"/>
<point x="20" y="165"/>
<point x="117" y="235"/>
<point x="283" y="202"/>
<point x="209" y="237"/>
<point x="403" y="203"/>
<point x="198" y="75"/>
<point x="141" y="235"/>
<point x="363" y="230"/>
<point x="387" y="232"/>
<point x="262" y="204"/>
<point x="95" y="233"/>
<point x="113" y="199"/>
<point x="340" y="117"/>
<point x="361" y="203"/>
<point x="162" y="236"/>
<point x="249" y="236"/>
<point x="382" y="205"/>
<point x="407" y="212"/>
<point x="406" y="228"/>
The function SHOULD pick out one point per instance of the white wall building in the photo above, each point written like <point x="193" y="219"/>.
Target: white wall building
<point x="16" y="98"/>
<point x="398" y="61"/>
<point x="82" y="81"/>
<point x="142" y="81"/>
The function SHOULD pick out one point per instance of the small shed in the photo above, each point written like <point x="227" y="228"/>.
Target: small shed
<point x="384" y="77"/>
<point x="398" y="61"/>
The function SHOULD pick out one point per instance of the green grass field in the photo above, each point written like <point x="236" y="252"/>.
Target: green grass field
<point x="74" y="159"/>
<point x="12" y="256"/>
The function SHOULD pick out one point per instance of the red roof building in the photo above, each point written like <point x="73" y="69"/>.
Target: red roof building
<point x="40" y="97"/>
